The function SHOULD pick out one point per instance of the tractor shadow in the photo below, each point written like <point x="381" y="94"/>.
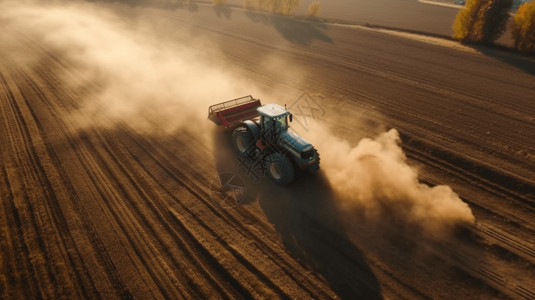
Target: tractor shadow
<point x="305" y="216"/>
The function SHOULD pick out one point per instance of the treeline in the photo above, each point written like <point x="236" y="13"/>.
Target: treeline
<point x="484" y="21"/>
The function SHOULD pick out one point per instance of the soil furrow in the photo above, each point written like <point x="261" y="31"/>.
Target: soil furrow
<point x="118" y="287"/>
<point x="202" y="198"/>
<point x="28" y="199"/>
<point x="144" y="217"/>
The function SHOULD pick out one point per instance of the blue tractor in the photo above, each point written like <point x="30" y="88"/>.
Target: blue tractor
<point x="261" y="133"/>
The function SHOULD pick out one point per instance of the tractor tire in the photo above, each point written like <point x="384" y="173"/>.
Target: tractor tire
<point x="243" y="141"/>
<point x="280" y="168"/>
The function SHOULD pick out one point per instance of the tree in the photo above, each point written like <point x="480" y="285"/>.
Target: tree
<point x="464" y="26"/>
<point x="290" y="6"/>
<point x="496" y="15"/>
<point x="277" y="7"/>
<point x="314" y="9"/>
<point x="482" y="20"/>
<point x="265" y="5"/>
<point x="523" y="27"/>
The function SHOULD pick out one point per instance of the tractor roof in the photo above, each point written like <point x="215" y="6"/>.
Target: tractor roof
<point x="272" y="111"/>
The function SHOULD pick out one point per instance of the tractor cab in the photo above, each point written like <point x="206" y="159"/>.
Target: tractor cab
<point x="274" y="120"/>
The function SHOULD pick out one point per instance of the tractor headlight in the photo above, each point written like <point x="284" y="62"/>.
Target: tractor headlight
<point x="309" y="154"/>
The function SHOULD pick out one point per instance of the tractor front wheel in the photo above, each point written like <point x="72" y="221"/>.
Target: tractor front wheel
<point x="280" y="169"/>
<point x="243" y="141"/>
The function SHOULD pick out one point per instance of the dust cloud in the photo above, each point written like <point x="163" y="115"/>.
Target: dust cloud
<point x="149" y="76"/>
<point x="375" y="183"/>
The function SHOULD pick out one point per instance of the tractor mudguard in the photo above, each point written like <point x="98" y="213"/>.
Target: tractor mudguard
<point x="253" y="128"/>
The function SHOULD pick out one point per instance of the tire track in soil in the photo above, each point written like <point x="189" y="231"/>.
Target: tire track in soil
<point x="229" y="220"/>
<point x="35" y="218"/>
<point x="67" y="196"/>
<point x="488" y="231"/>
<point x="106" y="258"/>
<point x="40" y="92"/>
<point x="512" y="206"/>
<point x="9" y="274"/>
<point x="517" y="284"/>
<point x="15" y="247"/>
<point x="126" y="192"/>
<point x="518" y="214"/>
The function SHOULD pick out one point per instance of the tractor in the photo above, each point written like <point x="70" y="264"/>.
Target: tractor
<point x="261" y="133"/>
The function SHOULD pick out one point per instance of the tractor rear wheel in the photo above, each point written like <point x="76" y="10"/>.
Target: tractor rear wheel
<point x="243" y="141"/>
<point x="280" y="169"/>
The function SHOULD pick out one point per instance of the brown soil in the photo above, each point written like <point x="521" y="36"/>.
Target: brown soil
<point x="111" y="212"/>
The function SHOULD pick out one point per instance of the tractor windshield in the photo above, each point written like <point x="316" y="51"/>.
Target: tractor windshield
<point x="275" y="126"/>
<point x="282" y="123"/>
